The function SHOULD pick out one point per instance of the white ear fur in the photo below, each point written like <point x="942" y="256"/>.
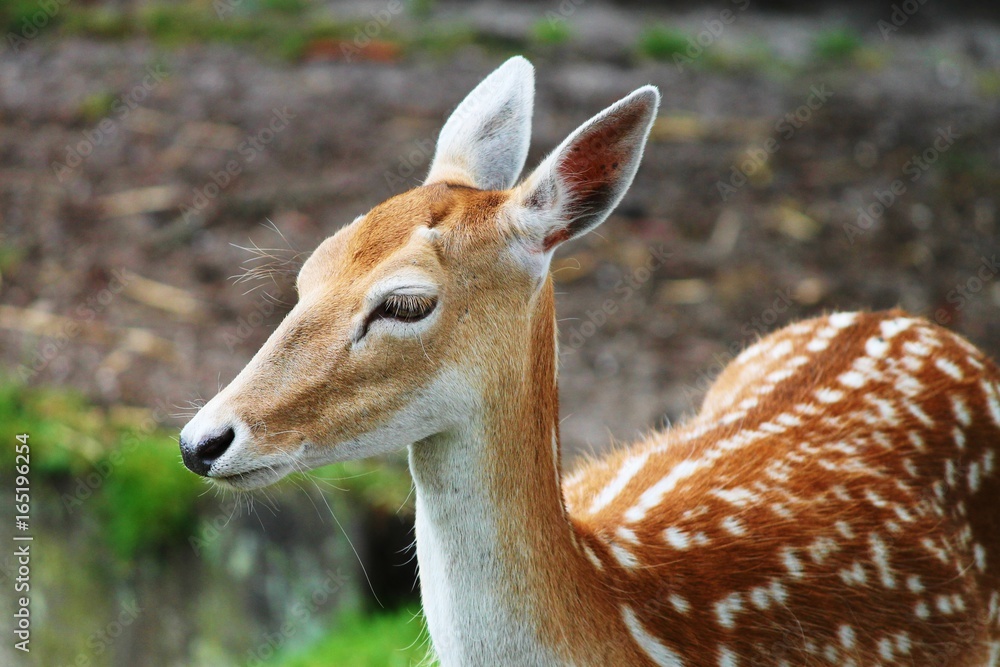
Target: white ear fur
<point x="578" y="185"/>
<point x="485" y="141"/>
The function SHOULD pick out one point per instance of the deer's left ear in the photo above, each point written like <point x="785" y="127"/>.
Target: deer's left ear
<point x="576" y="187"/>
<point x="485" y="141"/>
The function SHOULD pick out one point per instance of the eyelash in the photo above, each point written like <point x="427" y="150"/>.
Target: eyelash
<point x="402" y="308"/>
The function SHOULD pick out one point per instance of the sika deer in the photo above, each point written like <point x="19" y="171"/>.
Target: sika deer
<point x="835" y="502"/>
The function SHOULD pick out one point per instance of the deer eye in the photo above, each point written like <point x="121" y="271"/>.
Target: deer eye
<point x="402" y="308"/>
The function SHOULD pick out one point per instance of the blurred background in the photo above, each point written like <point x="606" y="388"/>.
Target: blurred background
<point x="165" y="168"/>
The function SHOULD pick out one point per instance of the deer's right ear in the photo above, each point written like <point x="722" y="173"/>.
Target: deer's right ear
<point x="485" y="141"/>
<point x="576" y="187"/>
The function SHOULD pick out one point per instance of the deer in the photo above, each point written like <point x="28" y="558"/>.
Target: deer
<point x="835" y="500"/>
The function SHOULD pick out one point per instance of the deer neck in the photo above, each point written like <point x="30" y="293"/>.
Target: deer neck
<point x="493" y="539"/>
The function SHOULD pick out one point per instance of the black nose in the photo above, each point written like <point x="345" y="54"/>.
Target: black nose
<point x="199" y="458"/>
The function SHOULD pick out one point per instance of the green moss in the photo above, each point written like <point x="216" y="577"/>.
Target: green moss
<point x="550" y="32"/>
<point x="99" y="22"/>
<point x="24" y="18"/>
<point x="10" y="258"/>
<point x="289" y="7"/>
<point x="148" y="501"/>
<point x="420" y="9"/>
<point x="96" y="106"/>
<point x="129" y="477"/>
<point x="385" y="640"/>
<point x="662" y="43"/>
<point x="837" y="45"/>
<point x="62" y="429"/>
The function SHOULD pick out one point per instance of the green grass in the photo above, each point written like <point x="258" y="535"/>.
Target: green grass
<point x="124" y="474"/>
<point x="662" y="42"/>
<point x="550" y="32"/>
<point x="837" y="45"/>
<point x="384" y="640"/>
<point x="289" y="29"/>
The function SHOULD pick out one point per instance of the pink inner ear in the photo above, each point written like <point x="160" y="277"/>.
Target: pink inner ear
<point x="590" y="169"/>
<point x="555" y="238"/>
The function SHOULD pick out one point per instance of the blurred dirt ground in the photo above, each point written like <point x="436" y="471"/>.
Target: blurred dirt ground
<point x="133" y="177"/>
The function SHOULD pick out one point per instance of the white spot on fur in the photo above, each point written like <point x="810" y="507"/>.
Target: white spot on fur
<point x="627" y="535"/>
<point x="992" y="402"/>
<point x="781" y="349"/>
<point x="855" y="576"/>
<point x="679" y="603"/>
<point x="726" y="609"/>
<point x="739" y="496"/>
<point x="852" y="379"/>
<point x="827" y="395"/>
<point x="844" y="529"/>
<point x="842" y="320"/>
<point x="653" y="496"/>
<point x="624" y="557"/>
<point x="892" y="327"/>
<point x="961" y="410"/>
<point x="817" y="345"/>
<point x="733" y="526"/>
<point x="885" y="648"/>
<point x="880" y="557"/>
<point x="628" y="470"/>
<point x="676" y="538"/>
<point x="949" y="368"/>
<point x="993" y="660"/>
<point x="792" y="563"/>
<point x="760" y="598"/>
<point x="658" y="652"/>
<point x="821" y="548"/>
<point x="876" y="347"/>
<point x="846" y="634"/>
<point x="974" y="477"/>
<point x="727" y="658"/>
<point x="592" y="557"/>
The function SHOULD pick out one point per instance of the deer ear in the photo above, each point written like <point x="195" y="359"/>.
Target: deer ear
<point x="485" y="141"/>
<point x="576" y="187"/>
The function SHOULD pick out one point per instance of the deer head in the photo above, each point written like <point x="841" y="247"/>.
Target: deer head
<point x="411" y="314"/>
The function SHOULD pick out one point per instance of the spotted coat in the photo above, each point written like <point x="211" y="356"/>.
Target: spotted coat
<point x="835" y="502"/>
